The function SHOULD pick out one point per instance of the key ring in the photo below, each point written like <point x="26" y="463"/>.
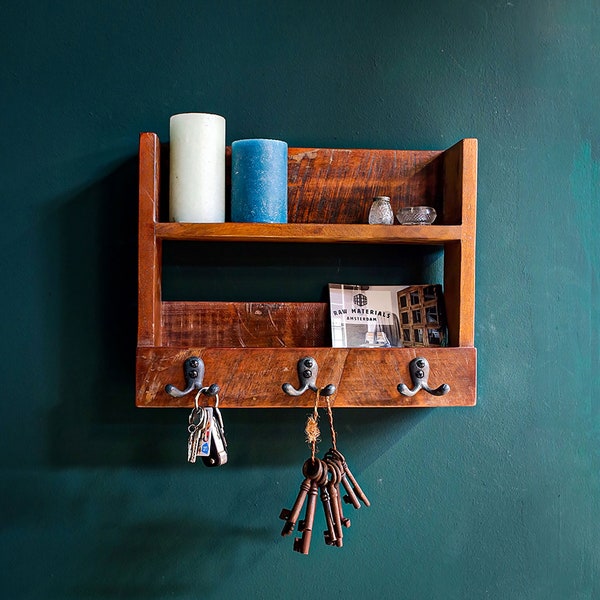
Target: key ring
<point x="216" y="408"/>
<point x="200" y="391"/>
<point x="199" y="410"/>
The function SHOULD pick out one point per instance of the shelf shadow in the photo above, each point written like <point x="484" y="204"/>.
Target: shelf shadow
<point x="95" y="422"/>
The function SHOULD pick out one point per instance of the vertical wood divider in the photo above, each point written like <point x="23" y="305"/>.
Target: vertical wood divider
<point x="460" y="199"/>
<point x="149" y="248"/>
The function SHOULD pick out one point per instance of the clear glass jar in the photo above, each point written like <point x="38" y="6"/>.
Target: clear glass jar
<point x="381" y="212"/>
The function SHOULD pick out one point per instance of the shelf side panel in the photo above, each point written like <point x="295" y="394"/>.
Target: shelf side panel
<point x="327" y="185"/>
<point x="246" y="324"/>
<point x="253" y="377"/>
<point x="149" y="248"/>
<point x="460" y="202"/>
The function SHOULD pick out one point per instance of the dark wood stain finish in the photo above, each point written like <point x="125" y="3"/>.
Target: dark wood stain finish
<point x="251" y="348"/>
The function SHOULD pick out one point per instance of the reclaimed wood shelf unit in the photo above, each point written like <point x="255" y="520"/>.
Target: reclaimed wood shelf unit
<point x="251" y="348"/>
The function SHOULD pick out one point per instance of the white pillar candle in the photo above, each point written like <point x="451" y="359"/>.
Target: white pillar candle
<point x="197" y="173"/>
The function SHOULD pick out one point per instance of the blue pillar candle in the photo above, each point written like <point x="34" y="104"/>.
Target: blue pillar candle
<point x="259" y="172"/>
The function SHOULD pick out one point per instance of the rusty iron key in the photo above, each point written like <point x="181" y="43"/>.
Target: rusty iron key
<point x="311" y="470"/>
<point x="322" y="478"/>
<point x="323" y="482"/>
<point x="291" y="516"/>
<point x="350" y="497"/>
<point x="339" y="472"/>
<point x="356" y="489"/>
<point x="339" y="520"/>
<point x="305" y="526"/>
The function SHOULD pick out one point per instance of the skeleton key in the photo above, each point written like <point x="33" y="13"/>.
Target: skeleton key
<point x="312" y="469"/>
<point x="302" y="544"/>
<point x="350" y="497"/>
<point x="356" y="490"/>
<point x="339" y="520"/>
<point x="331" y="538"/>
<point x="197" y="421"/>
<point x="291" y="516"/>
<point x="345" y="521"/>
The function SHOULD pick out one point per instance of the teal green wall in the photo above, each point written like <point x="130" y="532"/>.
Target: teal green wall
<point x="499" y="501"/>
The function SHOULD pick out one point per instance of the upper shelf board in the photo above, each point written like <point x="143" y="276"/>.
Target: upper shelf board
<point x="309" y="233"/>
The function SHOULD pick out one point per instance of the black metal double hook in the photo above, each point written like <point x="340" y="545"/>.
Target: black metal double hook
<point x="307" y="375"/>
<point x="193" y="373"/>
<point x="419" y="372"/>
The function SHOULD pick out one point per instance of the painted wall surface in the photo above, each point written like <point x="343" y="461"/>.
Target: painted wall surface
<point x="499" y="501"/>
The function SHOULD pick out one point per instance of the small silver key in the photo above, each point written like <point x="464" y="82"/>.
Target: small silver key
<point x="197" y="423"/>
<point x="193" y="442"/>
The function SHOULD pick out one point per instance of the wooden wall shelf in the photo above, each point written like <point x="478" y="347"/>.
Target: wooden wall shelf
<point x="251" y="348"/>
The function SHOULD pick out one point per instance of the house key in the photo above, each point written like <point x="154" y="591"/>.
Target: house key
<point x="199" y="428"/>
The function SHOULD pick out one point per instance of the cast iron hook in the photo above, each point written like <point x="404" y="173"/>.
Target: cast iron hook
<point x="419" y="372"/>
<point x="193" y="373"/>
<point x="307" y="375"/>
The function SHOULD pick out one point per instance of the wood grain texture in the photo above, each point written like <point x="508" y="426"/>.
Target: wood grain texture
<point x="252" y="377"/>
<point x="304" y="233"/>
<point x="149" y="248"/>
<point x="460" y="200"/>
<point x="330" y="193"/>
<point x="329" y="185"/>
<point x="246" y="324"/>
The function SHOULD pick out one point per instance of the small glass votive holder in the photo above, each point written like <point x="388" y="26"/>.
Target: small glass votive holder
<point x="416" y="215"/>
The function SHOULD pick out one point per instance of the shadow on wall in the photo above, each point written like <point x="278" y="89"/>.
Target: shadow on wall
<point x="96" y="422"/>
<point x="142" y="546"/>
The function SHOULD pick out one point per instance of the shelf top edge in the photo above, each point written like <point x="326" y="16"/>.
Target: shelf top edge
<point x="301" y="149"/>
<point x="305" y="349"/>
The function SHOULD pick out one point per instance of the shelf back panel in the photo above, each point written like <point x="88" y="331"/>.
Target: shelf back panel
<point x="330" y="185"/>
<point x="246" y="324"/>
<point x="337" y="185"/>
<point x="253" y="325"/>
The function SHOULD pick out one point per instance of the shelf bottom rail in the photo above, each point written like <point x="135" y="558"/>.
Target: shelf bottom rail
<point x="253" y="377"/>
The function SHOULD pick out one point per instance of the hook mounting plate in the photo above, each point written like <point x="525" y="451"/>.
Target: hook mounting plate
<point x="307" y="376"/>
<point x="193" y="374"/>
<point x="419" y="373"/>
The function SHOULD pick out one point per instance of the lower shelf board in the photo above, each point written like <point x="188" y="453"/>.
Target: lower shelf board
<point x="253" y="377"/>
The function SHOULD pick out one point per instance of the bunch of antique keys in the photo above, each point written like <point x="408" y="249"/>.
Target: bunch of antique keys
<point x="207" y="435"/>
<point x="323" y="477"/>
